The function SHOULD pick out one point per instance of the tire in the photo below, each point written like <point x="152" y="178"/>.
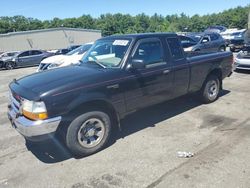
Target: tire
<point x="9" y="65"/>
<point x="222" y="49"/>
<point x="88" y="133"/>
<point x="210" y="90"/>
<point x="232" y="49"/>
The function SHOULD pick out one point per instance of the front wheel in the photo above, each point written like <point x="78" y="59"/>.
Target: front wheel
<point x="88" y="133"/>
<point x="232" y="49"/>
<point x="210" y="89"/>
<point x="9" y="65"/>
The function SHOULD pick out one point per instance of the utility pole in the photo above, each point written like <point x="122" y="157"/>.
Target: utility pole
<point x="248" y="20"/>
<point x="247" y="34"/>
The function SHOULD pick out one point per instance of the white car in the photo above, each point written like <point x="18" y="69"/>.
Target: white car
<point x="227" y="35"/>
<point x="71" y="58"/>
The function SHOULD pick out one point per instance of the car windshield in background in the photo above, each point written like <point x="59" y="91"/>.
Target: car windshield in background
<point x="185" y="39"/>
<point x="80" y="50"/>
<point x="196" y="38"/>
<point x="108" y="53"/>
<point x="9" y="54"/>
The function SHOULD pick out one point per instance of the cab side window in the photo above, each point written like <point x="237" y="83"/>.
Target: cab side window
<point x="175" y="48"/>
<point x="150" y="52"/>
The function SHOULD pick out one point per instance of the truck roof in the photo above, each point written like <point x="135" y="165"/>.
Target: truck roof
<point x="141" y="35"/>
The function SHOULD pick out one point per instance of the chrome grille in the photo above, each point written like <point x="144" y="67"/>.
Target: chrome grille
<point x="15" y="103"/>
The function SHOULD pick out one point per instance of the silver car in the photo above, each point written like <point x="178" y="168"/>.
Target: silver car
<point x="25" y="58"/>
<point x="242" y="60"/>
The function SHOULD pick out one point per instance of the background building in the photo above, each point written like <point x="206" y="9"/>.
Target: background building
<point x="47" y="39"/>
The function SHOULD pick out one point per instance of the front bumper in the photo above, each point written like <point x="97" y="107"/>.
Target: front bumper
<point x="29" y="128"/>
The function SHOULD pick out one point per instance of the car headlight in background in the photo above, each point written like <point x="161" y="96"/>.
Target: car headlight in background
<point x="34" y="110"/>
<point x="53" y="65"/>
<point x="239" y="55"/>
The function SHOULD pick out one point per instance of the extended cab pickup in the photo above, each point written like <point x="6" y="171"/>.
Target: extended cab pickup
<point x="118" y="75"/>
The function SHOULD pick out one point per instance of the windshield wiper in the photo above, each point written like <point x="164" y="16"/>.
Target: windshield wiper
<point x="96" y="62"/>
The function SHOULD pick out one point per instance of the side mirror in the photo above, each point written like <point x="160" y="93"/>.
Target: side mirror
<point x="93" y="53"/>
<point x="138" y="64"/>
<point x="205" y="40"/>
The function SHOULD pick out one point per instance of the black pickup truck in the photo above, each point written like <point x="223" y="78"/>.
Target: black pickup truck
<point x="117" y="76"/>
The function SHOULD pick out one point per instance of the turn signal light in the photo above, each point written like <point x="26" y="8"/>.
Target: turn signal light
<point x="35" y="116"/>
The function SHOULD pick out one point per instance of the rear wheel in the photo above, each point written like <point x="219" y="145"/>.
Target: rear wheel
<point x="232" y="49"/>
<point x="210" y="89"/>
<point x="88" y="133"/>
<point x="9" y="65"/>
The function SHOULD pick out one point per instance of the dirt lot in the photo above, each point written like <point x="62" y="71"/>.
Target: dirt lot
<point x="145" y="152"/>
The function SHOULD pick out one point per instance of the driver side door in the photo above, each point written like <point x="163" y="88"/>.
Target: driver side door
<point x="206" y="44"/>
<point x="153" y="83"/>
<point x="24" y="59"/>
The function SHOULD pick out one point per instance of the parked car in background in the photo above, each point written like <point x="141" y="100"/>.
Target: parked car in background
<point x="227" y="35"/>
<point x="236" y="42"/>
<point x="66" y="50"/>
<point x="25" y="58"/>
<point x="70" y="58"/>
<point x="242" y="59"/>
<point x="216" y="29"/>
<point x="61" y="51"/>
<point x="5" y="57"/>
<point x="205" y="42"/>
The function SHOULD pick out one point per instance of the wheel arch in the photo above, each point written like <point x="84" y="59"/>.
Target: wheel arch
<point x="95" y="104"/>
<point x="217" y="72"/>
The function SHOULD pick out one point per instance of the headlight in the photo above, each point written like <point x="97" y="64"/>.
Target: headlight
<point x="239" y="55"/>
<point x="53" y="65"/>
<point x="34" y="110"/>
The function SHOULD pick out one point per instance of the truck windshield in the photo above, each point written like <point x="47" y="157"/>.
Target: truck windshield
<point x="108" y="53"/>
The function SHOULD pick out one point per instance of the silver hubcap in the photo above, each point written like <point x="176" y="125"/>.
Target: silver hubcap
<point x="91" y="133"/>
<point x="212" y="89"/>
<point x="9" y="66"/>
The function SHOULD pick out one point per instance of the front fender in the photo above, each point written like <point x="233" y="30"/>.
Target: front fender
<point x="87" y="97"/>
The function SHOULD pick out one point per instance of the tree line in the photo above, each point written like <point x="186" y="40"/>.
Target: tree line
<point x="125" y="23"/>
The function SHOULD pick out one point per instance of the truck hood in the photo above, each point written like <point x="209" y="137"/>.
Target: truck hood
<point x="58" y="80"/>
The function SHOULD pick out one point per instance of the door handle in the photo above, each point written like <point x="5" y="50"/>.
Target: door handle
<point x="166" y="71"/>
